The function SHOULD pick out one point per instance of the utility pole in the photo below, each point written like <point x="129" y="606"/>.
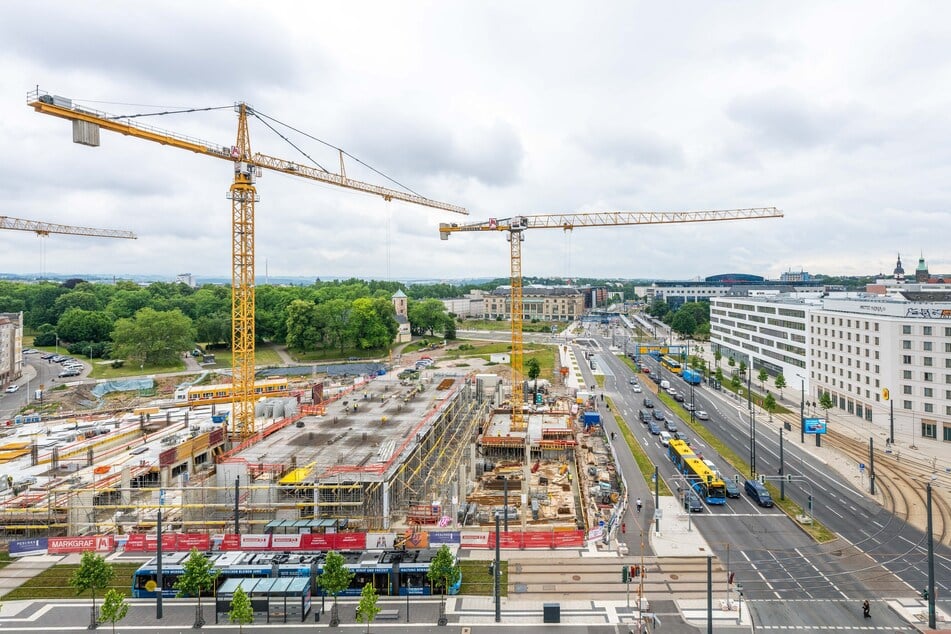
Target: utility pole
<point x="931" y="611"/>
<point x="782" y="480"/>
<point x="871" y="466"/>
<point x="802" y="409"/>
<point x="891" y="422"/>
<point x="158" y="560"/>
<point x="709" y="594"/>
<point x="496" y="573"/>
<point x="656" y="501"/>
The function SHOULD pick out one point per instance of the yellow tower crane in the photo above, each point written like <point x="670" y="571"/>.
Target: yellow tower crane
<point x="46" y="228"/>
<point x="247" y="166"/>
<point x="517" y="225"/>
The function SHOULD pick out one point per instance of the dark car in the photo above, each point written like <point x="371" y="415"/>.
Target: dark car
<point x="671" y="425"/>
<point x="692" y="502"/>
<point x="658" y="415"/>
<point x="679" y="435"/>
<point x="653" y="428"/>
<point x="645" y="415"/>
<point x="649" y="404"/>
<point x="679" y="397"/>
<point x="759" y="493"/>
<point x="732" y="490"/>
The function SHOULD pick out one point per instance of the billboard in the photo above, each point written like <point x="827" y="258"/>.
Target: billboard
<point x="814" y="425"/>
<point x="25" y="547"/>
<point x="96" y="543"/>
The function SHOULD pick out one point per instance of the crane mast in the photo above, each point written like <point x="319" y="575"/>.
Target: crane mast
<point x="517" y="225"/>
<point x="247" y="166"/>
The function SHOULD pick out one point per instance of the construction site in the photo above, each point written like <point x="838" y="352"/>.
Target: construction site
<point x="376" y="454"/>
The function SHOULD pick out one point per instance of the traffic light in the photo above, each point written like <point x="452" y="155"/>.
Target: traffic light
<point x="625" y="576"/>
<point x="762" y="479"/>
<point x="635" y="571"/>
<point x="924" y="594"/>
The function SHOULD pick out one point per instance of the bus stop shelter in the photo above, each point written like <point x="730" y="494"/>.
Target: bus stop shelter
<point x="274" y="600"/>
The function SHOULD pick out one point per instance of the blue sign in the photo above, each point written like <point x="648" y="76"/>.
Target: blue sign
<point x="25" y="547"/>
<point x="814" y="425"/>
<point x="861" y="466"/>
<point x="443" y="537"/>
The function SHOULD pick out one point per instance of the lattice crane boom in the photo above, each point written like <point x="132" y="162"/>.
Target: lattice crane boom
<point x="517" y="225"/>
<point x="247" y="166"/>
<point x="46" y="228"/>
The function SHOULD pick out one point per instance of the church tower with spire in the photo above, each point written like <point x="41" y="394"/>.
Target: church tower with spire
<point x="899" y="272"/>
<point x="921" y="273"/>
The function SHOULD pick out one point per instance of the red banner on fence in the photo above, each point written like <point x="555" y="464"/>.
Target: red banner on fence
<point x="96" y="543"/>
<point x="145" y="542"/>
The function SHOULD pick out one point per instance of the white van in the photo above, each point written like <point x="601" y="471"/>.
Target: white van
<point x="665" y="438"/>
<point x="665" y="384"/>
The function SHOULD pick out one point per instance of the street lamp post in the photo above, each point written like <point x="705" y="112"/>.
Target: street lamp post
<point x="802" y="409"/>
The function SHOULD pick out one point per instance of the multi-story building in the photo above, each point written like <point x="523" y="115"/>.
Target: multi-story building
<point x="11" y="347"/>
<point x="879" y="357"/>
<point x="471" y="304"/>
<point x="546" y="303"/>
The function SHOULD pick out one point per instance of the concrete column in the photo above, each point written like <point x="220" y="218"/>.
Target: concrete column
<point x="386" y="505"/>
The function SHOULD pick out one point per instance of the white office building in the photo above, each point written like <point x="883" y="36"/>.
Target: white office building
<point x="878" y="357"/>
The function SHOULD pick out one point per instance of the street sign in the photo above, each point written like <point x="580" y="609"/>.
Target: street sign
<point x="861" y="466"/>
<point x="161" y="497"/>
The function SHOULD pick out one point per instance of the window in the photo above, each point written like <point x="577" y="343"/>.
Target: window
<point x="928" y="361"/>
<point x="926" y="331"/>
<point x="906" y="359"/>
<point x="906" y="330"/>
<point x="947" y="347"/>
<point x="947" y="434"/>
<point x="929" y="407"/>
<point x="906" y="344"/>
<point x="926" y="346"/>
<point x="906" y="389"/>
<point x="906" y="404"/>
<point x="928" y="376"/>
<point x="928" y="429"/>
<point x="906" y="374"/>
<point x="929" y="393"/>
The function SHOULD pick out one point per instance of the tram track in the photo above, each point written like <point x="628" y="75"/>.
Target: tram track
<point x="901" y="484"/>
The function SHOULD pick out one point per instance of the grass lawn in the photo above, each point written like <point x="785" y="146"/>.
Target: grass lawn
<point x="492" y="324"/>
<point x="106" y="371"/>
<point x="643" y="461"/>
<point x="265" y="354"/>
<point x="335" y="354"/>
<point x="476" y="579"/>
<point x="544" y="354"/>
<point x="53" y="583"/>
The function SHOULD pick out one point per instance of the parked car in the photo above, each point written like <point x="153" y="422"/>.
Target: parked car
<point x="692" y="502"/>
<point x="732" y="490"/>
<point x="664" y="438"/>
<point x="653" y="428"/>
<point x="66" y="373"/>
<point x="12" y="388"/>
<point x="47" y="356"/>
<point x="759" y="493"/>
<point x="30" y="351"/>
<point x="649" y="404"/>
<point x="702" y="415"/>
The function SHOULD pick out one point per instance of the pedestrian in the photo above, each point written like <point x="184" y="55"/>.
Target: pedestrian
<point x="640" y="505"/>
<point x="866" y="610"/>
<point x="623" y="528"/>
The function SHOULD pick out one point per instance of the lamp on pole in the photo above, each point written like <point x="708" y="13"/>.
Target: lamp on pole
<point x="802" y="408"/>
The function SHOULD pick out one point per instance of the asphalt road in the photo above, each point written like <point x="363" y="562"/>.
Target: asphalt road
<point x="877" y="556"/>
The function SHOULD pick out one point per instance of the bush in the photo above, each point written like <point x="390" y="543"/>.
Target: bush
<point x="45" y="339"/>
<point x="95" y="349"/>
<point x="118" y="363"/>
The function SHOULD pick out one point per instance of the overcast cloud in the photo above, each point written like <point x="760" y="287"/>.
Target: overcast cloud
<point x="835" y="113"/>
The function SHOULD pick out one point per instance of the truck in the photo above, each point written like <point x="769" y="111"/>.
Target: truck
<point x="692" y="376"/>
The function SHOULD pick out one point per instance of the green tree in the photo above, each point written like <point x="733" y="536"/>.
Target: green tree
<point x="736" y="382"/>
<point x="731" y="362"/>
<point x="717" y="355"/>
<point x="77" y="324"/>
<point x="94" y="573"/>
<point x="333" y="317"/>
<point x="198" y="576"/>
<point x="825" y="402"/>
<point x="780" y="384"/>
<point x="769" y="404"/>
<point x="304" y="328"/>
<point x="241" y="611"/>
<point x="443" y="573"/>
<point x="367" y="609"/>
<point x="763" y="376"/>
<point x="213" y="329"/>
<point x="153" y="337"/>
<point x="533" y="369"/>
<point x="683" y="322"/>
<point x="742" y="368"/>
<point x="426" y="316"/>
<point x="114" y="607"/>
<point x="719" y="375"/>
<point x="334" y="579"/>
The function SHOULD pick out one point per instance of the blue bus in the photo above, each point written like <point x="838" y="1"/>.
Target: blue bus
<point x="392" y="572"/>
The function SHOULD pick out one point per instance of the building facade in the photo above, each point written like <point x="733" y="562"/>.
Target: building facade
<point x="11" y="347"/>
<point x="401" y="306"/>
<point x="545" y="303"/>
<point x="882" y="359"/>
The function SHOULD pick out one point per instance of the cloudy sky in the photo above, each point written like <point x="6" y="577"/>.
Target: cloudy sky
<point x="836" y="113"/>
